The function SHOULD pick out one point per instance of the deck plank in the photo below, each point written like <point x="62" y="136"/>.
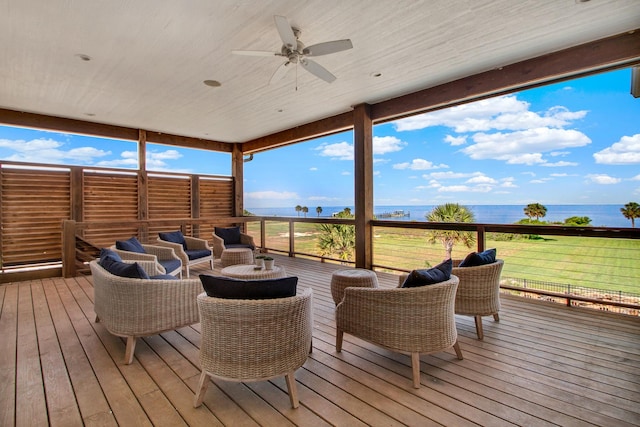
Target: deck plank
<point x="542" y="364"/>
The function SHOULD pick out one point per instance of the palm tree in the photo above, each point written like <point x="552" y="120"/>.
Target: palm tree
<point x="535" y="209"/>
<point x="305" y="210"/>
<point x="298" y="209"/>
<point x="319" y="210"/>
<point x="450" y="212"/>
<point x="338" y="239"/>
<point x="631" y="211"/>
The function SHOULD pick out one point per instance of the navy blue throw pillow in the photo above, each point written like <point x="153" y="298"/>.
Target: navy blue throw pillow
<point x="437" y="274"/>
<point x="230" y="235"/>
<point x="174" y="237"/>
<point x="104" y="252"/>
<point x="475" y="259"/>
<point x="130" y="245"/>
<point x="226" y="287"/>
<point x="124" y="269"/>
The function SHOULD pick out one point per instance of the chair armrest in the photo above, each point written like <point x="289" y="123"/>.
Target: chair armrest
<point x="162" y="252"/>
<point x="177" y="249"/>
<point x="194" y="243"/>
<point x="247" y="239"/>
<point x="134" y="256"/>
<point x="151" y="267"/>
<point x="218" y="245"/>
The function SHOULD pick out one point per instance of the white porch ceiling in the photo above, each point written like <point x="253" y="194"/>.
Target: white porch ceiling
<point x="149" y="58"/>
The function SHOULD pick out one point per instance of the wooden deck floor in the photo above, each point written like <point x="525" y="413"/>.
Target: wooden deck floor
<point x="540" y="365"/>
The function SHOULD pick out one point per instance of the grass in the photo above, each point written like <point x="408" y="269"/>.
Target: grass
<point x="609" y="264"/>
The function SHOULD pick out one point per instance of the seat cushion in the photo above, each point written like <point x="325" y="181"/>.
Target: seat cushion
<point x="130" y="245"/>
<point x="238" y="245"/>
<point x="431" y="276"/>
<point x="225" y="287"/>
<point x="170" y="264"/>
<point x="174" y="237"/>
<point x="198" y="253"/>
<point x="123" y="269"/>
<point x="163" y="277"/>
<point x="230" y="235"/>
<point x="475" y="259"/>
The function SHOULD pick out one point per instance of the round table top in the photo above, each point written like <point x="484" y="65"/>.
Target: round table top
<point x="249" y="271"/>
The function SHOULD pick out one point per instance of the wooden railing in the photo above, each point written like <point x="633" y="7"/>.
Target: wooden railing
<point x="299" y="236"/>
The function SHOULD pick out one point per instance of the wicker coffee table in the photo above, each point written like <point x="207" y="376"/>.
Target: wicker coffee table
<point x="249" y="272"/>
<point x="342" y="279"/>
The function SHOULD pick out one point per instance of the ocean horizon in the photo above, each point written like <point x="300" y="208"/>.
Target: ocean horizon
<point x="600" y="215"/>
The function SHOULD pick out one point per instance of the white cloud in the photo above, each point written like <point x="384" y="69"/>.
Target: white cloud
<point x="451" y="175"/>
<point x="419" y="164"/>
<point x="339" y="150"/>
<point x="481" y="179"/>
<point x="49" y="151"/>
<point x="508" y="182"/>
<point x="465" y="189"/>
<point x="275" y="195"/>
<point x="559" y="164"/>
<point x="313" y="169"/>
<point x="603" y="179"/>
<point x="501" y="113"/>
<point x="344" y="150"/>
<point x="455" y="140"/>
<point x="387" y="144"/>
<point x="624" y="152"/>
<point x="523" y="146"/>
<point x="636" y="178"/>
<point x="345" y="173"/>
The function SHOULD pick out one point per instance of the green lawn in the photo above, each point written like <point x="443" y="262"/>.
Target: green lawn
<point x="611" y="264"/>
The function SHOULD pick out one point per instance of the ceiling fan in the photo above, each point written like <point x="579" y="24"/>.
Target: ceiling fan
<point x="296" y="52"/>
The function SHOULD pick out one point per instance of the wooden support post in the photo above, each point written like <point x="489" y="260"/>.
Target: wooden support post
<point x="363" y="177"/>
<point x="68" y="237"/>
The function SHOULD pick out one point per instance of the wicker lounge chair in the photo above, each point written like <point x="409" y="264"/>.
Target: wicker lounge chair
<point x="197" y="250"/>
<point x="254" y="340"/>
<point x="135" y="308"/>
<point x="222" y="235"/>
<point x="163" y="255"/>
<point x="411" y="321"/>
<point x="478" y="292"/>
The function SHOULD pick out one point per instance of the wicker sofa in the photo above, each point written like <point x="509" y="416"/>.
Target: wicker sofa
<point x="135" y="308"/>
<point x="411" y="321"/>
<point x="254" y="340"/>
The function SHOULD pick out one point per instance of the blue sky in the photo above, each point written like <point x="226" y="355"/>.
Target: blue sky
<point x="576" y="142"/>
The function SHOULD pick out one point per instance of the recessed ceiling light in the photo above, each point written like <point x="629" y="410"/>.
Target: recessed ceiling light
<point x="84" y="57"/>
<point x="582" y="1"/>
<point x="376" y="74"/>
<point x="89" y="114"/>
<point x="212" y="83"/>
<point x="279" y="110"/>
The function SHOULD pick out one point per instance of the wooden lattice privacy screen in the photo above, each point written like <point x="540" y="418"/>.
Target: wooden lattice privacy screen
<point x="35" y="199"/>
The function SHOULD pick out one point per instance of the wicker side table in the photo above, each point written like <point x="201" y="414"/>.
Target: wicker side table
<point x="235" y="256"/>
<point x="342" y="279"/>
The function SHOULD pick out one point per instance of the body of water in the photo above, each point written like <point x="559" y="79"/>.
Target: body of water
<point x="601" y="215"/>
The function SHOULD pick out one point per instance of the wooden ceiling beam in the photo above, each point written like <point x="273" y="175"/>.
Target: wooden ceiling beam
<point x="328" y="126"/>
<point x="602" y="55"/>
<point x="64" y="125"/>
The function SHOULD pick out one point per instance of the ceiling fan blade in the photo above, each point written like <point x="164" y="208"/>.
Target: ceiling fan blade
<point x="328" y="47"/>
<point x="280" y="72"/>
<point x="317" y="70"/>
<point x="255" y="53"/>
<point x="286" y="32"/>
